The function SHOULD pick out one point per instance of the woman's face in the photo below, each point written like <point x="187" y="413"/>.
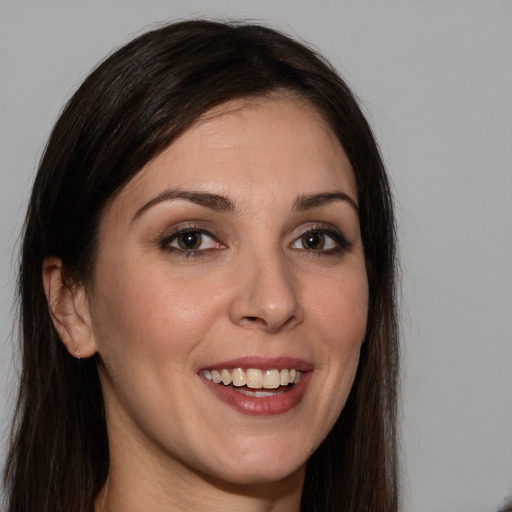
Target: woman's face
<point x="234" y="255"/>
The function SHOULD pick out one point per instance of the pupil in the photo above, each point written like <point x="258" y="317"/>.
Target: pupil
<point x="190" y="241"/>
<point x="313" y="241"/>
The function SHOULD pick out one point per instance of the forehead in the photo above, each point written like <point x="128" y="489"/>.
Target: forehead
<point x="254" y="149"/>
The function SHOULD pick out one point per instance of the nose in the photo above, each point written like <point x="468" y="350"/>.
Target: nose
<point x="266" y="295"/>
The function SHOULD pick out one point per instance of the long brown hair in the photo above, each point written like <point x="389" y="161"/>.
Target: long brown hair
<point x="130" y="108"/>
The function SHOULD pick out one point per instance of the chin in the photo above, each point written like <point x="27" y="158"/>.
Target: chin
<point x="260" y="467"/>
<point x="269" y="475"/>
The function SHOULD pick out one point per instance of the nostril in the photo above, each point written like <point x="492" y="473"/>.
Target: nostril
<point x="254" y="321"/>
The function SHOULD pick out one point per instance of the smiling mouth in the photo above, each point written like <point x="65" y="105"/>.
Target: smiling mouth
<point x="270" y="382"/>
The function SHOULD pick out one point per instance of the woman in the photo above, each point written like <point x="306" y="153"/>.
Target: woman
<point x="215" y="325"/>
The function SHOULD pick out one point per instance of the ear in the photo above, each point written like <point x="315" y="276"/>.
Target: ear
<point x="69" y="309"/>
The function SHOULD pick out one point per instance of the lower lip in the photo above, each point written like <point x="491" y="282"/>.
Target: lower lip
<point x="261" y="406"/>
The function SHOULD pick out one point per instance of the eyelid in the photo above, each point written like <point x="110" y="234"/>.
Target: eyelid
<point x="326" y="229"/>
<point x="165" y="241"/>
<point x="330" y="230"/>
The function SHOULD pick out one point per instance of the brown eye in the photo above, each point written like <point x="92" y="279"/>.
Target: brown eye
<point x="313" y="241"/>
<point x="189" y="241"/>
<point x="319" y="241"/>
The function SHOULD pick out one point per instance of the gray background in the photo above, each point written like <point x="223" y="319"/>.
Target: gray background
<point x="436" y="81"/>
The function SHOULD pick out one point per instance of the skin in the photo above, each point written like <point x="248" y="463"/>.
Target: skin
<point x="157" y="314"/>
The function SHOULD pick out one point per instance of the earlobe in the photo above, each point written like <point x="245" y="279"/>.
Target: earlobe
<point x="69" y="310"/>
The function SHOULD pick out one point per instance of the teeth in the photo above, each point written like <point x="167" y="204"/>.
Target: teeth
<point x="271" y="379"/>
<point x="259" y="394"/>
<point x="226" y="377"/>
<point x="216" y="377"/>
<point x="238" y="376"/>
<point x="254" y="378"/>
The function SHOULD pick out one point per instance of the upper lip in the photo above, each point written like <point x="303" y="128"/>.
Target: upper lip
<point x="262" y="363"/>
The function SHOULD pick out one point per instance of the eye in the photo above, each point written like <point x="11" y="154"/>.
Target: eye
<point x="321" y="240"/>
<point x="191" y="240"/>
<point x="314" y="242"/>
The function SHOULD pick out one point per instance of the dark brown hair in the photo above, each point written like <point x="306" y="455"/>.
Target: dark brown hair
<point x="130" y="108"/>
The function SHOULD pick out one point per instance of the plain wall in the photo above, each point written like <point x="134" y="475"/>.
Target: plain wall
<point x="436" y="80"/>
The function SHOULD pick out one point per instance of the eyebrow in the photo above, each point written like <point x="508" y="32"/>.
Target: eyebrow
<point x="224" y="204"/>
<point x="307" y="202"/>
<point x="206" y="199"/>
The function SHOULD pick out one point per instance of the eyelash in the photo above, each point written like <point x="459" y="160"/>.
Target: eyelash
<point x="337" y="237"/>
<point x="166" y="242"/>
<point x="341" y="243"/>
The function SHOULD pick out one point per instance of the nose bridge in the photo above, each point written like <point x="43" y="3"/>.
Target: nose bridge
<point x="266" y="295"/>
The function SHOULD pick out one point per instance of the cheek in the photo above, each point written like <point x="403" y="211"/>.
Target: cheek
<point x="340" y="306"/>
<point x="339" y="314"/>
<point x="152" y="316"/>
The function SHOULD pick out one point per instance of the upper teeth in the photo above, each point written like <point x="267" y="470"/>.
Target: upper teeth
<point x="254" y="378"/>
